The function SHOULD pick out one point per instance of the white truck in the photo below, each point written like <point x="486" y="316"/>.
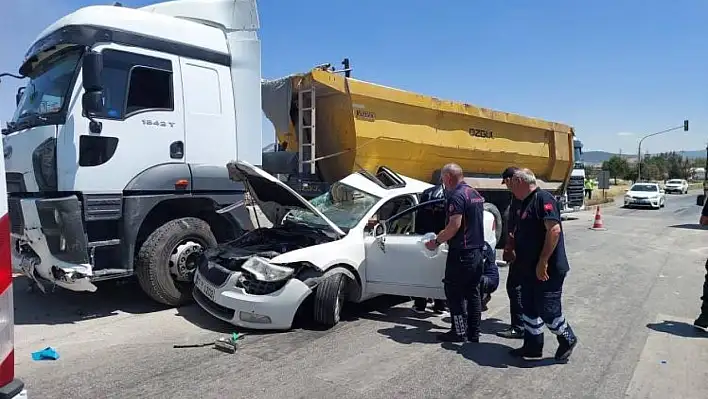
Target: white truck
<point x="574" y="195"/>
<point x="116" y="155"/>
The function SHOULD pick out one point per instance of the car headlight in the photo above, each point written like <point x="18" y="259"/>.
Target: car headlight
<point x="266" y="271"/>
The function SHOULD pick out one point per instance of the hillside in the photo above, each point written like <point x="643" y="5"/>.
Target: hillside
<point x="602" y="156"/>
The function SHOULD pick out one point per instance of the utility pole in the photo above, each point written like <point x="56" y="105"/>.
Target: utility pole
<point x="639" y="149"/>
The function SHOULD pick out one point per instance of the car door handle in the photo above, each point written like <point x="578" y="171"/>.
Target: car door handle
<point x="177" y="150"/>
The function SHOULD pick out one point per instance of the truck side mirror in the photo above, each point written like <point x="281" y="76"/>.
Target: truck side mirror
<point x="18" y="95"/>
<point x="91" y="68"/>
<point x="92" y="102"/>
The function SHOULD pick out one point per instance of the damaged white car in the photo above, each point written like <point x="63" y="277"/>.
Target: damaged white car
<point x="359" y="240"/>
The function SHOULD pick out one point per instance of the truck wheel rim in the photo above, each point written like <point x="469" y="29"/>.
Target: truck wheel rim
<point x="183" y="260"/>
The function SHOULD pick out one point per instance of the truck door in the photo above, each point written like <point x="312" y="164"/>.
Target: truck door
<point x="142" y="123"/>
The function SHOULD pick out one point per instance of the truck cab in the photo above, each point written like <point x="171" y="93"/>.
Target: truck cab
<point x="116" y="154"/>
<point x="574" y="192"/>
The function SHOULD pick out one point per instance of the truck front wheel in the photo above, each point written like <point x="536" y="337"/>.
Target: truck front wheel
<point x="167" y="259"/>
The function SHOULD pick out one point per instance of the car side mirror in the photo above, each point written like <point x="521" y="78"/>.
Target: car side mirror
<point x="380" y="230"/>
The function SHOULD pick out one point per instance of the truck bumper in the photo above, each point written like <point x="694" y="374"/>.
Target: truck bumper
<point x="13" y="390"/>
<point x="49" y="243"/>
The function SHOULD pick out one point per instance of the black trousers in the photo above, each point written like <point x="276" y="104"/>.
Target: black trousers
<point x="513" y="290"/>
<point x="463" y="273"/>
<point x="704" y="298"/>
<point x="542" y="305"/>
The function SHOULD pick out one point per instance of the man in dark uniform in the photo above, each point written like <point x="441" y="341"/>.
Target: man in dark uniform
<point x="513" y="281"/>
<point x="543" y="265"/>
<point x="430" y="219"/>
<point x="702" y="320"/>
<point x="464" y="234"/>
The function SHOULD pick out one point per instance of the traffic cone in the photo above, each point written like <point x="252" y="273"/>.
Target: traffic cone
<point x="597" y="225"/>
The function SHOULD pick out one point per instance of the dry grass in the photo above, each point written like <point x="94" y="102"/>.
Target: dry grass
<point x="610" y="195"/>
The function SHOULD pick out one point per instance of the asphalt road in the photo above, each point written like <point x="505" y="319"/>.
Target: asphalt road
<point x="631" y="295"/>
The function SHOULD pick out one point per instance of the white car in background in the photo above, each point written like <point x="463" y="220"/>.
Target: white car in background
<point x="355" y="242"/>
<point x="646" y="195"/>
<point x="676" y="186"/>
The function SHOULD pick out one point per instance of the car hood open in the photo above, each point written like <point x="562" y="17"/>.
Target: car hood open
<point x="273" y="196"/>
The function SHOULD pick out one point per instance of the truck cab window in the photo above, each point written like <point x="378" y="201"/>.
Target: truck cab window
<point x="150" y="89"/>
<point x="134" y="83"/>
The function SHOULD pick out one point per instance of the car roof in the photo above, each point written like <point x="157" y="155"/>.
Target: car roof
<point x="645" y="184"/>
<point x="363" y="183"/>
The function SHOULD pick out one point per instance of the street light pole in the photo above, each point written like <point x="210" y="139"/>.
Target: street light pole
<point x="639" y="149"/>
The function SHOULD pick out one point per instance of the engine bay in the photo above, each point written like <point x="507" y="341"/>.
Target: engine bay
<point x="265" y="242"/>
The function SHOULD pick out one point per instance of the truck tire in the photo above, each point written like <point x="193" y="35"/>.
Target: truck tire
<point x="329" y="299"/>
<point x="153" y="261"/>
<point x="498" y="221"/>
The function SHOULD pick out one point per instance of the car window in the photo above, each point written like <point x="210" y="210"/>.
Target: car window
<point x="644" y="187"/>
<point x="390" y="208"/>
<point x="424" y="218"/>
<point x="675" y="182"/>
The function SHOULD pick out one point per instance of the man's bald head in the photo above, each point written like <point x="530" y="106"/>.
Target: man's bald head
<point x="451" y="175"/>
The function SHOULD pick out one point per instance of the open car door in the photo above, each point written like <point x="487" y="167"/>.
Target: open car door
<point x="396" y="264"/>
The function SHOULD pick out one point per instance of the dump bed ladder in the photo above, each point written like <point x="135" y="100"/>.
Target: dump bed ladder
<point x="306" y="124"/>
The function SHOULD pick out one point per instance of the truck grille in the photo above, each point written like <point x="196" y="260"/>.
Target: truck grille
<point x="576" y="191"/>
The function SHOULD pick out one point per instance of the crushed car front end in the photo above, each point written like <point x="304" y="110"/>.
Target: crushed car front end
<point x="242" y="283"/>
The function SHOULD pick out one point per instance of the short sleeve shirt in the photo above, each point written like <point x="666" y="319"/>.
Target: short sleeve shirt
<point x="466" y="201"/>
<point x="514" y="214"/>
<point x="530" y="236"/>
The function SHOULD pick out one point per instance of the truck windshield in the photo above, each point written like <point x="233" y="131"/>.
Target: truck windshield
<point x="578" y="158"/>
<point x="49" y="85"/>
<point x="344" y="205"/>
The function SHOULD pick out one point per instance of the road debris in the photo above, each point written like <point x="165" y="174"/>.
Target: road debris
<point x="47" y="353"/>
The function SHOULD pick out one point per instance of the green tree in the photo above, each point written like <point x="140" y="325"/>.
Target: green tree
<point x="617" y="166"/>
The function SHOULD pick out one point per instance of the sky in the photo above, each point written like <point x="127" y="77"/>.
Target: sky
<point x="615" y="70"/>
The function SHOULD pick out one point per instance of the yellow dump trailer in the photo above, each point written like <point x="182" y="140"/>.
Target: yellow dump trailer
<point x="359" y="124"/>
<point x="364" y="125"/>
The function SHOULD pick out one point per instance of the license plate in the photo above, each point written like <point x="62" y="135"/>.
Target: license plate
<point x="207" y="289"/>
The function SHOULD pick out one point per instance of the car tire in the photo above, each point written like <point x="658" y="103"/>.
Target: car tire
<point x="498" y="221"/>
<point x="153" y="261"/>
<point x="329" y="299"/>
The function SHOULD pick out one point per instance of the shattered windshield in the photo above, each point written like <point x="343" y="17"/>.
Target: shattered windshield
<point x="49" y="85"/>
<point x="344" y="205"/>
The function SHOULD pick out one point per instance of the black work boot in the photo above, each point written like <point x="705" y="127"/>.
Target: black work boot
<point x="438" y="306"/>
<point x="527" y="354"/>
<point x="702" y="320"/>
<point x="566" y="343"/>
<point x="451" y="336"/>
<point x="511" y="333"/>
